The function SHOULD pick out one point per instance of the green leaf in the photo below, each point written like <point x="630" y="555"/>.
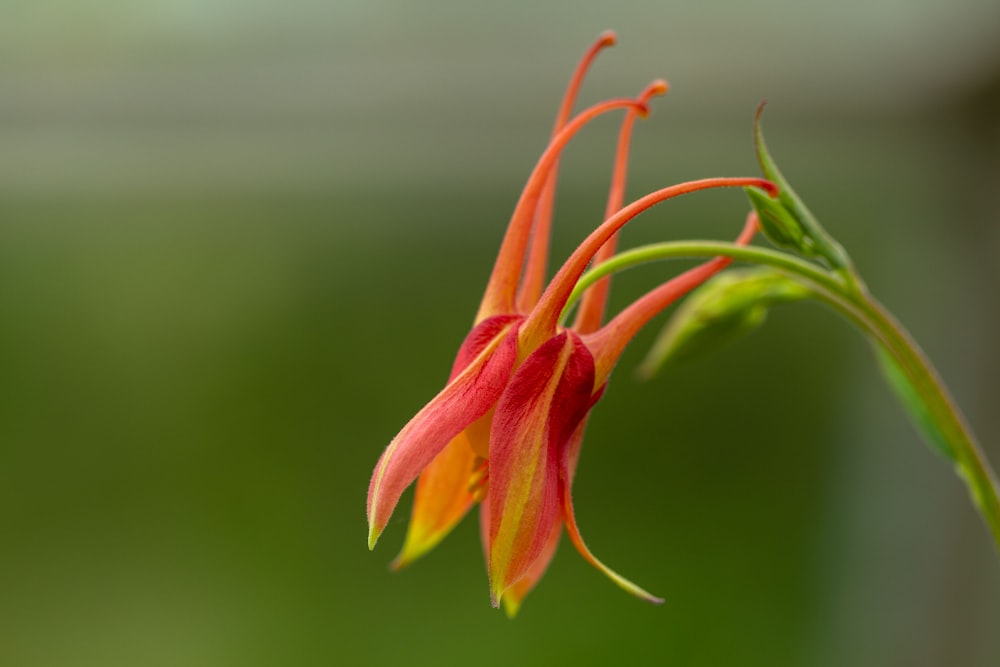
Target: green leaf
<point x="724" y="309"/>
<point x="914" y="405"/>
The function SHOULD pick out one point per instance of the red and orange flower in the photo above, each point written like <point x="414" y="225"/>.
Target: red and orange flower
<point x="506" y="430"/>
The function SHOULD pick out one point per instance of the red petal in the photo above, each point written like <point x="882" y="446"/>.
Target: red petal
<point x="546" y="398"/>
<point x="515" y="595"/>
<point x="469" y="395"/>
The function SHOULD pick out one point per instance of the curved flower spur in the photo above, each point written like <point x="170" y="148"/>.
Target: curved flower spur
<point x="506" y="430"/>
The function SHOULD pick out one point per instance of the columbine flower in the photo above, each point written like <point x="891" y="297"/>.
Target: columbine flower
<point x="506" y="430"/>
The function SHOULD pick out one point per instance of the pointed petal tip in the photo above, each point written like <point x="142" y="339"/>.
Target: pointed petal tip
<point x="573" y="531"/>
<point x="495" y="596"/>
<point x="403" y="560"/>
<point x="373" y="535"/>
<point x="643" y="373"/>
<point x="511" y="607"/>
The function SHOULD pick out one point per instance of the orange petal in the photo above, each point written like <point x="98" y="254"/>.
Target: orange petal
<point x="534" y="271"/>
<point x="501" y="290"/>
<point x="591" y="311"/>
<point x="442" y="498"/>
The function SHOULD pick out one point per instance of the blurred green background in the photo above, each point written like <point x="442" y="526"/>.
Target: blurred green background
<point x="241" y="241"/>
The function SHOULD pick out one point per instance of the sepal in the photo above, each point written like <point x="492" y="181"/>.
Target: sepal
<point x="548" y="396"/>
<point x="491" y="349"/>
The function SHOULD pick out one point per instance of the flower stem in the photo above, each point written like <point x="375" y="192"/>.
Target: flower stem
<point x="858" y="306"/>
<point x="970" y="461"/>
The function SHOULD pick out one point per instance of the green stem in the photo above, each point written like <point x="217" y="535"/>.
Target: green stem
<point x="971" y="464"/>
<point x="688" y="249"/>
<point x="858" y="306"/>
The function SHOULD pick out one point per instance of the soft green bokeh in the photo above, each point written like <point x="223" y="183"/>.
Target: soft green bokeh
<point x="240" y="243"/>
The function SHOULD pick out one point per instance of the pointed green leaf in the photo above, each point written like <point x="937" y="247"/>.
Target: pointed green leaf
<point x="822" y="244"/>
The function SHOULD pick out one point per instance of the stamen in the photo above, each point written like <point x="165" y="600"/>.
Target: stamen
<point x="479" y="481"/>
<point x="535" y="267"/>
<point x="591" y="312"/>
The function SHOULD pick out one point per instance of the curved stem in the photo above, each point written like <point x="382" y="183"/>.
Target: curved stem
<point x="689" y="249"/>
<point x="971" y="463"/>
<point x="871" y="317"/>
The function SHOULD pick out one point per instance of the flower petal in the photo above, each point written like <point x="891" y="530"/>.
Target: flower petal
<point x="442" y="498"/>
<point x="567" y="471"/>
<point x="468" y="396"/>
<point x="547" y="397"/>
<point x="515" y="595"/>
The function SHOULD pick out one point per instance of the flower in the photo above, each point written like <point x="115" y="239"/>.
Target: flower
<point x="505" y="432"/>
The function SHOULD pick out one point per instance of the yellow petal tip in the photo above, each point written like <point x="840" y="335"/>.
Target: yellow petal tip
<point x="511" y="607"/>
<point x="399" y="562"/>
<point x="373" y="535"/>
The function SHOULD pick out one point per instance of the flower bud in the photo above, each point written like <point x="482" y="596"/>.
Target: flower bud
<point x="778" y="223"/>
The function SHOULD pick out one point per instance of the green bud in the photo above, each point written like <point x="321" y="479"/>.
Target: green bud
<point x="779" y="225"/>
<point x="722" y="310"/>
